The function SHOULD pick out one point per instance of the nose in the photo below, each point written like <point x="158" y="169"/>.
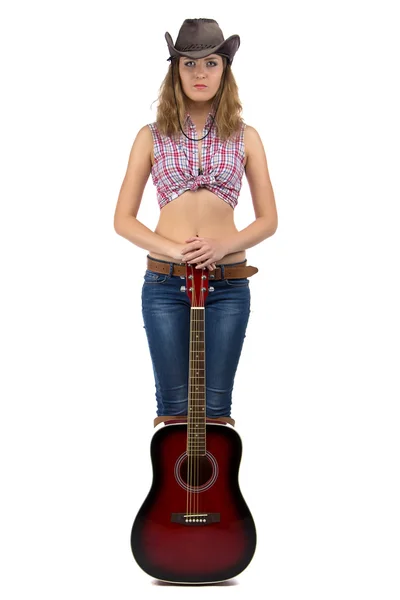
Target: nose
<point x="199" y="70"/>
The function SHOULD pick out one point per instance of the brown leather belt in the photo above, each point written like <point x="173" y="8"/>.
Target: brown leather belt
<point x="230" y="272"/>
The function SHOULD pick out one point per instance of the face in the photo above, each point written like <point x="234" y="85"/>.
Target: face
<point x="206" y="71"/>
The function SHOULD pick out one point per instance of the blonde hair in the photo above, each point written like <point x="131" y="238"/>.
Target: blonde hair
<point x="227" y="120"/>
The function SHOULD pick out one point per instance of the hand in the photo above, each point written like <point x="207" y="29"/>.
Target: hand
<point x="176" y="255"/>
<point x="203" y="251"/>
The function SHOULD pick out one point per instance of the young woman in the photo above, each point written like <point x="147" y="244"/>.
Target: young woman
<point x="197" y="170"/>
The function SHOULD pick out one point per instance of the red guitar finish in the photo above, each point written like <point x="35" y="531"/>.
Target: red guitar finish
<point x="194" y="526"/>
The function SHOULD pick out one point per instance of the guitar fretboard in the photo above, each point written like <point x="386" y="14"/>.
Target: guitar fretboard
<point x="196" y="440"/>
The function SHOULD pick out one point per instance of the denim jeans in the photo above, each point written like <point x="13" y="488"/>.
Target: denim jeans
<point x="166" y="316"/>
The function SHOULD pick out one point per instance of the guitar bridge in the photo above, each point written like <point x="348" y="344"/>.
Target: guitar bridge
<point x="195" y="519"/>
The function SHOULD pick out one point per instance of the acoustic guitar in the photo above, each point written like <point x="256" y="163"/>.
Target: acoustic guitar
<point x="194" y="526"/>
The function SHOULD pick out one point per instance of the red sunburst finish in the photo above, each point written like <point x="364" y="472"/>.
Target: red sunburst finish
<point x="171" y="548"/>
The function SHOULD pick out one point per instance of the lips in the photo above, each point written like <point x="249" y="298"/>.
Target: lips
<point x="200" y="87"/>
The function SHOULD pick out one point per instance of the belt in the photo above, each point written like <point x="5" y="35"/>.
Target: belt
<point x="230" y="271"/>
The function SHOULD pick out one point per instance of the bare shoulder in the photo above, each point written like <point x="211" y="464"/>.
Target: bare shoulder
<point x="257" y="173"/>
<point x="142" y="148"/>
<point x="137" y="173"/>
<point x="144" y="139"/>
<point x="251" y="140"/>
<point x="254" y="147"/>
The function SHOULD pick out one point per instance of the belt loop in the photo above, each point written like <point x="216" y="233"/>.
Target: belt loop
<point x="171" y="268"/>
<point x="222" y="267"/>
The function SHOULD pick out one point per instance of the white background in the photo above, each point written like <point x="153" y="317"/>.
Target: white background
<point x="316" y="394"/>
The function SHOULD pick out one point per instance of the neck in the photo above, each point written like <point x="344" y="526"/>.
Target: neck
<point x="199" y="110"/>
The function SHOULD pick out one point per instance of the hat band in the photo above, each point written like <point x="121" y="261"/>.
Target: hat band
<point x="196" y="47"/>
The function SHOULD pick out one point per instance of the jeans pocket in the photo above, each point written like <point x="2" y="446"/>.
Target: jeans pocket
<point x="240" y="282"/>
<point x="153" y="277"/>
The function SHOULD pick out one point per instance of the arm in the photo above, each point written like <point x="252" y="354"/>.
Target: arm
<point x="130" y="196"/>
<point x="252" y="235"/>
<point x="140" y="235"/>
<point x="262" y="195"/>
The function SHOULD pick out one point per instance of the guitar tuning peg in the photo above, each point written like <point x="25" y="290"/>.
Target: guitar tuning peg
<point x="183" y="288"/>
<point x="211" y="289"/>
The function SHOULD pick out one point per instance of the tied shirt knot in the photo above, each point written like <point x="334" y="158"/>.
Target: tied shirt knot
<point x="200" y="181"/>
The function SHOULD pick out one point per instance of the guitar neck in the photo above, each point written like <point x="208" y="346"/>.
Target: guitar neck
<point x="196" y="420"/>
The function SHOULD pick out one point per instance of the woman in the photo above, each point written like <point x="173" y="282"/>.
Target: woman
<point x="198" y="174"/>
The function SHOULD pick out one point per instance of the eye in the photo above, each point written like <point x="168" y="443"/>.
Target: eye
<point x="208" y="62"/>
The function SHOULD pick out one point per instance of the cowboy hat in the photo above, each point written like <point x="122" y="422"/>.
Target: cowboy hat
<point x="198" y="38"/>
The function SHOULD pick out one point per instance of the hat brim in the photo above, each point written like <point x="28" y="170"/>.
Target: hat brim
<point x="228" y="47"/>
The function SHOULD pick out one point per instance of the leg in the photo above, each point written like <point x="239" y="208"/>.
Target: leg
<point x="166" y="316"/>
<point x="226" y="318"/>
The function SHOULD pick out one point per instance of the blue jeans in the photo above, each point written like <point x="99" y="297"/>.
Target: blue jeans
<point x="166" y="316"/>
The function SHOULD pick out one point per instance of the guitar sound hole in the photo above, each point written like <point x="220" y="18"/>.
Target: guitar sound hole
<point x="196" y="473"/>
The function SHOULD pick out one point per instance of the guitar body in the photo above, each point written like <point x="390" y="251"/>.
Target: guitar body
<point x="194" y="526"/>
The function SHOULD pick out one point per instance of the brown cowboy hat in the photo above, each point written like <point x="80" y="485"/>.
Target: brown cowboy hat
<point x="198" y="38"/>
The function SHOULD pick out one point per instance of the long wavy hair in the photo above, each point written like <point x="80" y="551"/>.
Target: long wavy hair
<point x="228" y="119"/>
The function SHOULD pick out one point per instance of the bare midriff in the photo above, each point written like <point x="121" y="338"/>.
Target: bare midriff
<point x="199" y="212"/>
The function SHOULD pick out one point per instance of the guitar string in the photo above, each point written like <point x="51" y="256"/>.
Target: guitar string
<point x="196" y="445"/>
<point x="197" y="401"/>
<point x="188" y="436"/>
<point x="197" y="417"/>
<point x="190" y="443"/>
<point x="203" y="326"/>
<point x="203" y="333"/>
<point x="193" y="415"/>
<point x="192" y="449"/>
<point x="197" y="459"/>
<point x="198" y="397"/>
<point x="202" y="372"/>
<point x="200" y="354"/>
<point x="195" y="438"/>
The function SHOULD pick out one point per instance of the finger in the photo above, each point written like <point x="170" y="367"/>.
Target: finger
<point x="188" y="253"/>
<point x="194" y="245"/>
<point x="197" y="256"/>
<point x="193" y="239"/>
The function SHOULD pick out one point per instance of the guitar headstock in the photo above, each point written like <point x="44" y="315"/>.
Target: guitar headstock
<point x="197" y="285"/>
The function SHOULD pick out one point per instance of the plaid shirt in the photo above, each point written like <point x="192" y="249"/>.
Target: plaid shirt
<point x="176" y="164"/>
